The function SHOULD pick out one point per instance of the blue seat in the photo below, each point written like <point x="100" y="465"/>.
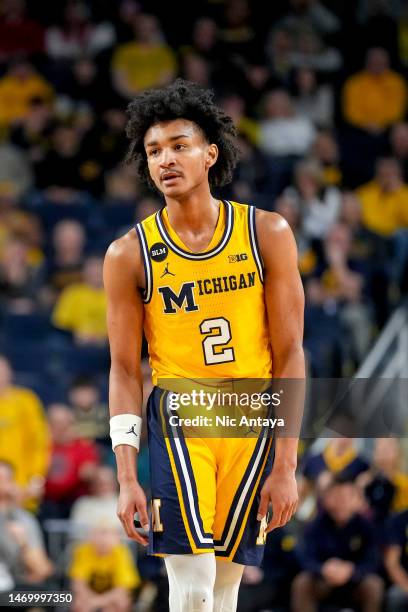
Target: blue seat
<point x="25" y="327"/>
<point x="51" y="214"/>
<point x="73" y="361"/>
<point x="118" y="216"/>
<point x="30" y="357"/>
<point x="48" y="389"/>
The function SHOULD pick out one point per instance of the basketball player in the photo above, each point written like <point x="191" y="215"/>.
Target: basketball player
<point x="215" y="286"/>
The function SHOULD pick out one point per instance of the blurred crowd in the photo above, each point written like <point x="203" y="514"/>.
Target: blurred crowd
<point x="318" y="91"/>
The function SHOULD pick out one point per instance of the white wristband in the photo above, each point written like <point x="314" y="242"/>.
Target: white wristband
<point x="125" y="429"/>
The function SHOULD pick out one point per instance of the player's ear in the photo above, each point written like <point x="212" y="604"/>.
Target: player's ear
<point x="212" y="155"/>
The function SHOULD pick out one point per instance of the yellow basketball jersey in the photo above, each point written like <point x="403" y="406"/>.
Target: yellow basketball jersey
<point x="205" y="314"/>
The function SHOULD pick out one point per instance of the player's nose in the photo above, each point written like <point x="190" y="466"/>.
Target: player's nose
<point x="167" y="158"/>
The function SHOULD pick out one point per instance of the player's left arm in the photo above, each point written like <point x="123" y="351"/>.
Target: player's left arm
<point x="284" y="299"/>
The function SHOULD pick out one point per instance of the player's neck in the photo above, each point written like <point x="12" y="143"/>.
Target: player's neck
<point x="196" y="212"/>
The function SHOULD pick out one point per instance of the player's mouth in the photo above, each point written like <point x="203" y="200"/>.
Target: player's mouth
<point x="170" y="177"/>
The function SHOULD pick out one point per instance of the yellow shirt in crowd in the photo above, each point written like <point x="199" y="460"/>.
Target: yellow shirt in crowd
<point x="374" y="100"/>
<point x="24" y="435"/>
<point x="104" y="572"/>
<point x="383" y="213"/>
<point x="16" y="94"/>
<point x="400" y="499"/>
<point x="145" y="66"/>
<point x="337" y="463"/>
<point x="81" y="309"/>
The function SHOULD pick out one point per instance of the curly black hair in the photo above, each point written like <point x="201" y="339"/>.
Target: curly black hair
<point x="182" y="100"/>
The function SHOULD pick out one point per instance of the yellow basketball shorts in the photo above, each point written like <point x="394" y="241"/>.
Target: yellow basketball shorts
<point x="205" y="491"/>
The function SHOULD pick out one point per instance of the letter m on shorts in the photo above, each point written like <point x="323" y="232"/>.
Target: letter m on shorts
<point x="184" y="299"/>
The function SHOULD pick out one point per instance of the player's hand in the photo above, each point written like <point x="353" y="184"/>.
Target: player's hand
<point x="279" y="490"/>
<point x="131" y="500"/>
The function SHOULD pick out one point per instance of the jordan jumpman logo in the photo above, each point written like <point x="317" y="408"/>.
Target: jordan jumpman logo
<point x="167" y="271"/>
<point x="132" y="430"/>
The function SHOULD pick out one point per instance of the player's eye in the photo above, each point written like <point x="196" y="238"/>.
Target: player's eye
<point x="179" y="146"/>
<point x="153" y="152"/>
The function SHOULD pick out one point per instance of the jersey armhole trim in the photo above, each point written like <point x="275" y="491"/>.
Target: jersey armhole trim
<point x="147" y="265"/>
<point x="254" y="242"/>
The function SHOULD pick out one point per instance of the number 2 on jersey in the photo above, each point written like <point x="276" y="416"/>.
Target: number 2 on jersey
<point x="215" y="341"/>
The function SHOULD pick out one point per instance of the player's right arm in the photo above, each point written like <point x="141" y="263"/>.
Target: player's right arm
<point x="123" y="276"/>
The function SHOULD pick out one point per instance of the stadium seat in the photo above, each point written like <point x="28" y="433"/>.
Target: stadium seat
<point x="25" y="327"/>
<point x="73" y="361"/>
<point x="47" y="388"/>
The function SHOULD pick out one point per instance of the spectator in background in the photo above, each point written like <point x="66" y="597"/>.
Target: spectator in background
<point x="106" y="141"/>
<point x="81" y="307"/>
<point x="385" y="485"/>
<point x="121" y="185"/>
<point x="33" y="135"/>
<point x="351" y="211"/>
<point x="205" y="40"/>
<point x="24" y="563"/>
<point x="73" y="464"/>
<point x="311" y="52"/>
<point x="18" y="87"/>
<point x="144" y="62"/>
<point x="319" y="205"/>
<point x="204" y="53"/>
<point x="341" y="283"/>
<point x="66" y="170"/>
<point x="340" y="457"/>
<point x="237" y="34"/>
<point x="83" y="85"/>
<point x="326" y="151"/>
<point x="128" y="13"/>
<point x="66" y="262"/>
<point x="399" y="146"/>
<point x="339" y="554"/>
<point x="284" y="137"/>
<point x="18" y="33"/>
<point x="78" y="35"/>
<point x="258" y="81"/>
<point x="385" y="199"/>
<point x="91" y="414"/>
<point x="15" y="222"/>
<point x="103" y="573"/>
<point x="15" y="171"/>
<point x="282" y="131"/>
<point x="19" y="280"/>
<point x="372" y="253"/>
<point x="279" y="48"/>
<point x="101" y="503"/>
<point x="249" y="174"/>
<point x="385" y="213"/>
<point x="362" y="246"/>
<point x="396" y="562"/>
<point x="234" y="106"/>
<point x="311" y="100"/>
<point x="376" y="97"/>
<point x="288" y="207"/>
<point x="64" y="266"/>
<point x="378" y="26"/>
<point x="195" y="68"/>
<point x="23" y="426"/>
<point x="312" y="14"/>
